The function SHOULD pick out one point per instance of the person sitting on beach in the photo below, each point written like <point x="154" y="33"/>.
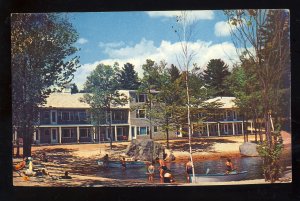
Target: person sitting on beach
<point x="229" y="166"/>
<point x="29" y="171"/>
<point x="123" y="163"/>
<point x="188" y="170"/>
<point x="162" y="167"/>
<point x="66" y="176"/>
<point x="20" y="166"/>
<point x="168" y="177"/>
<point x="151" y="171"/>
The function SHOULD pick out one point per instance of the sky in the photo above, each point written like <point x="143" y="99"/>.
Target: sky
<point x="108" y="37"/>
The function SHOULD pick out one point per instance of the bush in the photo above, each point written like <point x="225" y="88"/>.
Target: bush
<point x="270" y="154"/>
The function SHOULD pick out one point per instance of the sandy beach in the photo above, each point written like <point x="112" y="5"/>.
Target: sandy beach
<point x="79" y="160"/>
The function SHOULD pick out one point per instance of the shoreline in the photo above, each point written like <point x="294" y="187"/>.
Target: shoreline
<point x="79" y="160"/>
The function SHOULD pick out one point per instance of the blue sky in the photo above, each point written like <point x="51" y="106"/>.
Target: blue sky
<point x="108" y="37"/>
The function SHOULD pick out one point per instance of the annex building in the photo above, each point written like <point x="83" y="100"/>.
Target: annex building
<point x="65" y="119"/>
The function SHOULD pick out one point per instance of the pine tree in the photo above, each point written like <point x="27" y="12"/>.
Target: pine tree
<point x="128" y="77"/>
<point x="215" y="76"/>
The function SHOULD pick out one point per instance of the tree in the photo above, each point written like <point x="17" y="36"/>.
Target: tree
<point x="74" y="89"/>
<point x="263" y="35"/>
<point x="215" y="75"/>
<point x="102" y="96"/>
<point x="128" y="77"/>
<point x="150" y="85"/>
<point x="41" y="50"/>
<point x="185" y="29"/>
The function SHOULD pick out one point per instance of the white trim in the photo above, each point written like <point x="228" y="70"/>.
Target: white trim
<point x="233" y="129"/>
<point x="219" y="133"/>
<point x="53" y="122"/>
<point x="77" y="132"/>
<point x="51" y="135"/>
<point x="207" y="127"/>
<point x="116" y="135"/>
<point x="60" y="134"/>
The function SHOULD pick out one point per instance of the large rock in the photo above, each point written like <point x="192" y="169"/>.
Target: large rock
<point x="248" y="149"/>
<point x="144" y="149"/>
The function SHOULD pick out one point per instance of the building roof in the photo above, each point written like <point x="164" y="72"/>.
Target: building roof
<point x="228" y="102"/>
<point x="68" y="100"/>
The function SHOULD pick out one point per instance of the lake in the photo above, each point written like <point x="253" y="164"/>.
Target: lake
<point x="251" y="164"/>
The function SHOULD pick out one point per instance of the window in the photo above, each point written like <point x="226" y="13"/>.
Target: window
<point x="234" y="114"/>
<point x="71" y="116"/>
<point x="155" y="129"/>
<point x="53" y="114"/>
<point x="141" y="98"/>
<point x="85" y="132"/>
<point x="82" y="116"/>
<point x="46" y="115"/>
<point x="118" y="115"/>
<point x="66" y="116"/>
<point x="143" y="130"/>
<point x="140" y="113"/>
<point x="59" y="116"/>
<point x="76" y="116"/>
<point x="68" y="133"/>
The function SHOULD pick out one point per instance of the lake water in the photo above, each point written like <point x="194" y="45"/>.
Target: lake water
<point x="251" y="164"/>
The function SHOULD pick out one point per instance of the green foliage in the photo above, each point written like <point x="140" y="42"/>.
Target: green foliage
<point x="271" y="156"/>
<point x="74" y="89"/>
<point x="102" y="96"/>
<point x="128" y="77"/>
<point x="41" y="50"/>
<point x="215" y="75"/>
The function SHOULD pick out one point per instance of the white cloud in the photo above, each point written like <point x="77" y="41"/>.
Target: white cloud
<point x="82" y="41"/>
<point x="222" y="28"/>
<point x="111" y="45"/>
<point x="196" y="15"/>
<point x="170" y="52"/>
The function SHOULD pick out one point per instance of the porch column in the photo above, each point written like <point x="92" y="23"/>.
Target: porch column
<point x="116" y="136"/>
<point x="59" y="134"/>
<point x="180" y="131"/>
<point x="233" y="131"/>
<point x="207" y="129"/>
<point x="251" y="127"/>
<point x="34" y="135"/>
<point x="219" y="133"/>
<point x="129" y="133"/>
<point x="243" y="128"/>
<point x="77" y="134"/>
<point x="94" y="134"/>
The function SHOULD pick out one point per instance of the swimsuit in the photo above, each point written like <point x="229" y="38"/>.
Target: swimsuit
<point x="164" y="167"/>
<point x="189" y="170"/>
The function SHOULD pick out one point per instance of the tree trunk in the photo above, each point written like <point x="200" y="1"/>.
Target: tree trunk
<point x="27" y="140"/>
<point x="18" y="148"/>
<point x="110" y="128"/>
<point x="167" y="132"/>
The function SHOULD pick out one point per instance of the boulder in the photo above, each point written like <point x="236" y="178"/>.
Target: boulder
<point x="144" y="149"/>
<point x="169" y="155"/>
<point x="248" y="149"/>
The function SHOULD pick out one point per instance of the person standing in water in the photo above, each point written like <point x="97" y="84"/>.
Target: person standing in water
<point x="123" y="163"/>
<point x="188" y="170"/>
<point x="151" y="171"/>
<point x="162" y="167"/>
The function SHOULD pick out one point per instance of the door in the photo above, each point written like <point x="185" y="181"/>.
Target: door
<point x="53" y="135"/>
<point x="133" y="134"/>
<point x="53" y="116"/>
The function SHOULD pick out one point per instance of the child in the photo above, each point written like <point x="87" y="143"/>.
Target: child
<point x="151" y="172"/>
